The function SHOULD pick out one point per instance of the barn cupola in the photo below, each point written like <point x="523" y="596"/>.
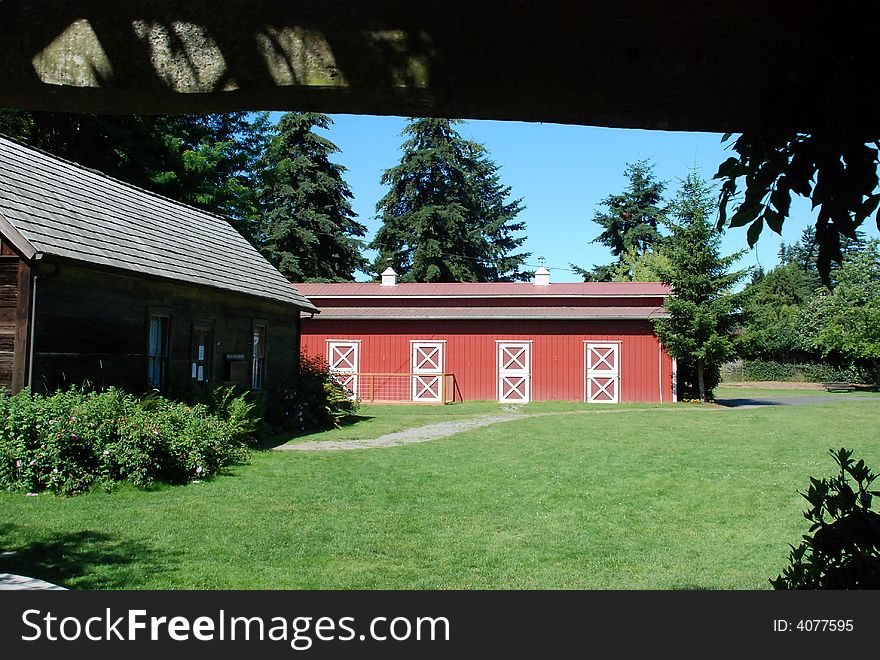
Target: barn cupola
<point x="542" y="277"/>
<point x="389" y="277"/>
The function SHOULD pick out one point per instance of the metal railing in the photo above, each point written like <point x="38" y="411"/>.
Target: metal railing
<point x="400" y="388"/>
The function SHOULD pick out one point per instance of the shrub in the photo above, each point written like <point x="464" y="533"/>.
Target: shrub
<point x="842" y="550"/>
<point x="73" y="440"/>
<point x="319" y="401"/>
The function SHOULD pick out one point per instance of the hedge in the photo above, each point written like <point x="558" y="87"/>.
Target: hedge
<point x="754" y="370"/>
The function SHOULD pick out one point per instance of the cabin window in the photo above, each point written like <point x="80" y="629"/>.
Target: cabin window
<point x="258" y="366"/>
<point x="202" y="352"/>
<point x="157" y="352"/>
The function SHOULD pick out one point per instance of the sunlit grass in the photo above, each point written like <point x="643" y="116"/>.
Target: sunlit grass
<point x="670" y="497"/>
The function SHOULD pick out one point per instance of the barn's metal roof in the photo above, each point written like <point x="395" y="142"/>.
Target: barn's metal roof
<point x="495" y="313"/>
<point x="485" y="290"/>
<point x="49" y="206"/>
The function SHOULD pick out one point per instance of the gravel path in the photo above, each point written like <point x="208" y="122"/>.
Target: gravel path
<point x="407" y="436"/>
<point x="9" y="582"/>
<point x="438" y="430"/>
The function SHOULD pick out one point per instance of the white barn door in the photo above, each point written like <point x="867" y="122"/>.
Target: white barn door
<point x="603" y="372"/>
<point x="514" y="371"/>
<point x="426" y="369"/>
<point x="343" y="358"/>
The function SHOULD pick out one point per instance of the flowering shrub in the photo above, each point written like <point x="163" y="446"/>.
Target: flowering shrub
<point x="319" y="401"/>
<point x="73" y="440"/>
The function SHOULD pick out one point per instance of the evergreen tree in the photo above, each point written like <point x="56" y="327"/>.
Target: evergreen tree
<point x="804" y="255"/>
<point x="702" y="307"/>
<point x="630" y="222"/>
<point x="497" y="217"/>
<point x="208" y="161"/>
<point x="309" y="230"/>
<point x="446" y="217"/>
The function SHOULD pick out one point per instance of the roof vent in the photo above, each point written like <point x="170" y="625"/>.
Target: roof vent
<point x="389" y="277"/>
<point x="542" y="277"/>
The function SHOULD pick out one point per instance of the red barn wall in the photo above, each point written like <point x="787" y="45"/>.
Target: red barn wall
<point x="557" y="356"/>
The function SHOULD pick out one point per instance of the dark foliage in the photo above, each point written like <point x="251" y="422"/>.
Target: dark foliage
<point x="309" y="231"/>
<point x="838" y="172"/>
<point x="319" y="402"/>
<point x="842" y="548"/>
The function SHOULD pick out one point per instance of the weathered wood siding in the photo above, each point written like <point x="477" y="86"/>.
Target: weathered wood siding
<point x="8" y="308"/>
<point x="92" y="325"/>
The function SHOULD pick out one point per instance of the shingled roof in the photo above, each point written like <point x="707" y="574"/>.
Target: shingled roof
<point x="49" y="206"/>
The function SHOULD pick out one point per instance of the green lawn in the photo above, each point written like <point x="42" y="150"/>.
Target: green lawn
<point x="670" y="497"/>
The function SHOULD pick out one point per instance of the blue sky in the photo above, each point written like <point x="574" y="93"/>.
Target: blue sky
<point x="561" y="173"/>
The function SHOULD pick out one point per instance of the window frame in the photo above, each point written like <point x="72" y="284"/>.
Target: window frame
<point x="258" y="362"/>
<point x="164" y="349"/>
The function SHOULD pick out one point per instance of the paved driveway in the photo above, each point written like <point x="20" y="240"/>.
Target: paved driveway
<point x="758" y="402"/>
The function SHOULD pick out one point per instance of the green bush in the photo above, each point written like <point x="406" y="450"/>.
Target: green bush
<point x="73" y="440"/>
<point x="755" y="370"/>
<point x="842" y="550"/>
<point x="319" y="401"/>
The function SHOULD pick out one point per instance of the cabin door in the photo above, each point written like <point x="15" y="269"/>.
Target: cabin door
<point x="514" y="371"/>
<point x="202" y="353"/>
<point x="602" y="372"/>
<point x="426" y="371"/>
<point x="343" y="358"/>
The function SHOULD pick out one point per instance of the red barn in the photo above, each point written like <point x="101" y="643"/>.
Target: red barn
<point x="514" y="342"/>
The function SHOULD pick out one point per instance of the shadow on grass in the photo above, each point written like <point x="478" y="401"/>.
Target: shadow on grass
<point x="80" y="560"/>
<point x="272" y="441"/>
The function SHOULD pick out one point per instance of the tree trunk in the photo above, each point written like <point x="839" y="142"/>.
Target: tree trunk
<point x="701" y="381"/>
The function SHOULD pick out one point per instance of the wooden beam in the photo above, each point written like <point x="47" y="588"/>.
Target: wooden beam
<point x="675" y="65"/>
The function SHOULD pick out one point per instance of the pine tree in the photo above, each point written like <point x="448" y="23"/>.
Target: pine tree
<point x="446" y="217"/>
<point x="703" y="310"/>
<point x="309" y="230"/>
<point x="630" y="223"/>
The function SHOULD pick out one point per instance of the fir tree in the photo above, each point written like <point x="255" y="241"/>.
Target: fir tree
<point x="629" y="223"/>
<point x="446" y="217"/>
<point x="703" y="310"/>
<point x="309" y="230"/>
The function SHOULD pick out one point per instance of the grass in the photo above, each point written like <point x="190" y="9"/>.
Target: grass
<point x="670" y="497"/>
<point x="371" y="421"/>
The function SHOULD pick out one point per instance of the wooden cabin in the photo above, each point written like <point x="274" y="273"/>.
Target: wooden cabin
<point x="513" y="342"/>
<point x="105" y="283"/>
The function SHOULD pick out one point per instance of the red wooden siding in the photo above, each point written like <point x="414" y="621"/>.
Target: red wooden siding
<point x="557" y="357"/>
